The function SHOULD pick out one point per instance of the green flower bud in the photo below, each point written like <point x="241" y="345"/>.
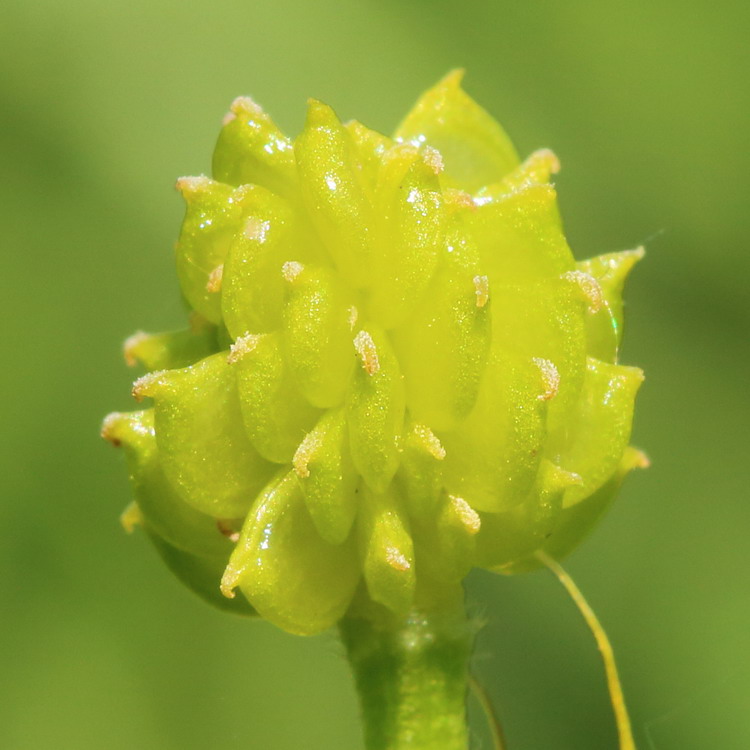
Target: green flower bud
<point x="395" y="371"/>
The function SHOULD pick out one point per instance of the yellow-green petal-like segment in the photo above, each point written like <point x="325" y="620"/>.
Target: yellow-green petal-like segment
<point x="252" y="150"/>
<point x="395" y="368"/>
<point x="444" y="347"/>
<point x="507" y="541"/>
<point x="289" y="573"/>
<point x="327" y="476"/>
<point x="333" y="189"/>
<point x="576" y="521"/>
<point x="200" y="573"/>
<point x="370" y="147"/>
<point x="409" y="233"/>
<point x="174" y="349"/>
<point x="545" y="322"/>
<point x="604" y="328"/>
<point x="204" y="450"/>
<point x="252" y="288"/>
<point x="536" y="170"/>
<point x="213" y="214"/>
<point x="601" y="426"/>
<point x="275" y="413"/>
<point x="520" y="237"/>
<point x="375" y="409"/>
<point x="317" y="333"/>
<point x="387" y="551"/>
<point x="445" y="543"/>
<point x="475" y="148"/>
<point x="420" y="474"/>
<point x="162" y="509"/>
<point x="493" y="458"/>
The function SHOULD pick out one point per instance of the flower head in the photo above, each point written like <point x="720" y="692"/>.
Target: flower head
<point x="395" y="368"/>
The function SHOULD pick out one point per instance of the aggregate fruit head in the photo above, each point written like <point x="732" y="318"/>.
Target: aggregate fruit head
<point x="394" y="371"/>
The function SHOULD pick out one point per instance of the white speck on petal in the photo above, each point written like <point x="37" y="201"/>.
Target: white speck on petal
<point x="550" y="378"/>
<point x="396" y="559"/>
<point x="242" y="346"/>
<point x="304" y="453"/>
<point x="590" y="288"/>
<point x="291" y="270"/>
<point x="430" y="441"/>
<point x="213" y="284"/>
<point x="468" y="516"/>
<point x="433" y="159"/>
<point x="367" y="352"/>
<point x="482" y="287"/>
<point x="256" y="229"/>
<point x="131" y="343"/>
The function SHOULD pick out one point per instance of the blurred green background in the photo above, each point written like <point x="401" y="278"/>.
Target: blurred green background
<point x="104" y="104"/>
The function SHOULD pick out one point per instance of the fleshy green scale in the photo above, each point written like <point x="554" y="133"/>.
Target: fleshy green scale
<point x="445" y="542"/>
<point x="162" y="509"/>
<point x="506" y="541"/>
<point x="252" y="287"/>
<point x="602" y="423"/>
<point x="200" y="573"/>
<point x="213" y="214"/>
<point x="520" y="237"/>
<point x="252" y="150"/>
<point x="604" y="328"/>
<point x="161" y="351"/>
<point x="493" y="458"/>
<point x="536" y="170"/>
<point x="375" y="409"/>
<point x="204" y="450"/>
<point x="395" y="369"/>
<point x="327" y="476"/>
<point x="444" y="347"/>
<point x="576" y="521"/>
<point x="317" y="333"/>
<point x="544" y="322"/>
<point x="189" y="542"/>
<point x="476" y="150"/>
<point x="409" y="233"/>
<point x="275" y="413"/>
<point x="420" y="474"/>
<point x="370" y="148"/>
<point x="333" y="190"/>
<point x="387" y="551"/>
<point x="289" y="574"/>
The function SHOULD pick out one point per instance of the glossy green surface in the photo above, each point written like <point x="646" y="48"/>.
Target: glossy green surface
<point x="316" y="334"/>
<point x="442" y="332"/>
<point x="328" y="478"/>
<point x="104" y="105"/>
<point x="293" y="577"/>
<point x="443" y="350"/>
<point x="204" y="450"/>
<point x="275" y="414"/>
<point x="476" y="149"/>
<point x="387" y="551"/>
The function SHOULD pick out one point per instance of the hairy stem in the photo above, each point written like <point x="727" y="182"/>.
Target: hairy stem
<point x="412" y="677"/>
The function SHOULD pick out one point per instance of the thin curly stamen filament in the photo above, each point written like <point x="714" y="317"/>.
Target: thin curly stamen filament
<point x="622" y="719"/>
<point x="493" y="722"/>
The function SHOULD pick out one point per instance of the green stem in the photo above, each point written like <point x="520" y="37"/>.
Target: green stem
<point x="412" y="677"/>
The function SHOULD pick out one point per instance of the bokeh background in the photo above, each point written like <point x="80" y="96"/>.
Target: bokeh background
<point x="104" y="104"/>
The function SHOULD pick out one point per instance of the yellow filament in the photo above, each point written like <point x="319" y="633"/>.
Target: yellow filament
<point x="617" y="699"/>
<point x="496" y="729"/>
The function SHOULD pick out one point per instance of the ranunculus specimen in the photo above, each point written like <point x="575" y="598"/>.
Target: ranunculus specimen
<point x="395" y="371"/>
